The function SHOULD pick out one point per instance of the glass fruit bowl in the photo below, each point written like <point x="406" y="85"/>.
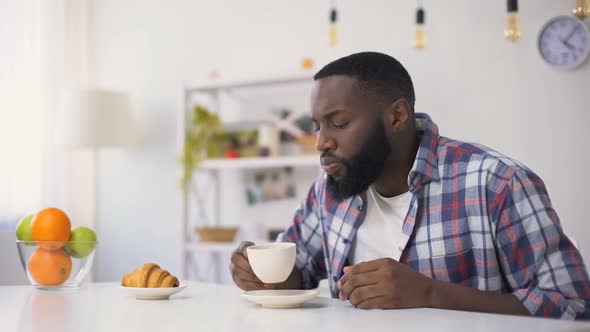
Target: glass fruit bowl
<point x="56" y="265"/>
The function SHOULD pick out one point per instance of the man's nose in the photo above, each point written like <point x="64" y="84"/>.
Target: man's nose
<point x="324" y="142"/>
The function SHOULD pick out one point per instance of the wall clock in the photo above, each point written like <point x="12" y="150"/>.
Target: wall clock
<point x="564" y="42"/>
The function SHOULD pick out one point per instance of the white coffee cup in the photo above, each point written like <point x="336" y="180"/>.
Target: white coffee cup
<point x="272" y="262"/>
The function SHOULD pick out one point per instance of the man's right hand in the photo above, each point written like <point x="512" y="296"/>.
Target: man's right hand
<point x="241" y="271"/>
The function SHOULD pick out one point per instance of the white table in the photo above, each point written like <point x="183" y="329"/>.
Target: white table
<point x="209" y="307"/>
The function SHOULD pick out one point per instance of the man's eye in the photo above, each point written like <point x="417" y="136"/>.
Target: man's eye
<point x="341" y="125"/>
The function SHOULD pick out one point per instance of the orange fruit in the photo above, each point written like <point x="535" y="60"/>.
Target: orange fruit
<point x="49" y="267"/>
<point x="51" y="224"/>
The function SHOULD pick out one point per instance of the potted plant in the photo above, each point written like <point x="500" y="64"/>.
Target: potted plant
<point x="200" y="142"/>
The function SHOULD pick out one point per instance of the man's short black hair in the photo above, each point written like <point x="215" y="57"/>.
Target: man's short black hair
<point x="377" y="73"/>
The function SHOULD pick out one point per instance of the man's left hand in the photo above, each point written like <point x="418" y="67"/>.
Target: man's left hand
<point x="385" y="283"/>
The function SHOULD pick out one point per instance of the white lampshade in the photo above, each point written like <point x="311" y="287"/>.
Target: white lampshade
<point x="95" y="118"/>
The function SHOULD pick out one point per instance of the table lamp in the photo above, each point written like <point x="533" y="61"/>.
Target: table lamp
<point x="95" y="119"/>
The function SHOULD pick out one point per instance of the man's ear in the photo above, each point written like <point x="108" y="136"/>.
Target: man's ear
<point x="397" y="115"/>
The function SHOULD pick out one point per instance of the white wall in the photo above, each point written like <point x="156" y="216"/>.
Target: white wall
<point x="476" y="86"/>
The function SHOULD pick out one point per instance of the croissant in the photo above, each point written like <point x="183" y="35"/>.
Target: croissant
<point x="149" y="275"/>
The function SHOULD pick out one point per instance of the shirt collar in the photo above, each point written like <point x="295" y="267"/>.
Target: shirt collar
<point x="425" y="168"/>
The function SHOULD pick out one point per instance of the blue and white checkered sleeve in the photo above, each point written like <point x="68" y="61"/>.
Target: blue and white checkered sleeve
<point x="543" y="268"/>
<point x="305" y="231"/>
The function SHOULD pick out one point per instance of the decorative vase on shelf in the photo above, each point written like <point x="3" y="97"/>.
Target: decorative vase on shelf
<point x="268" y="139"/>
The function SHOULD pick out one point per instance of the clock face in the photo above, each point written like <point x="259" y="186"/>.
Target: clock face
<point x="564" y="42"/>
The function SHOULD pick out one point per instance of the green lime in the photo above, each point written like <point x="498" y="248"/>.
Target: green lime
<point x="82" y="242"/>
<point x="23" y="229"/>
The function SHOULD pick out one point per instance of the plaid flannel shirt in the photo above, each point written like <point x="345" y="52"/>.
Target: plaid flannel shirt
<point x="476" y="218"/>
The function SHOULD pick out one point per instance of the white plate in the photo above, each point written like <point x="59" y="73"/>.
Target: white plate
<point x="154" y="293"/>
<point x="280" y="298"/>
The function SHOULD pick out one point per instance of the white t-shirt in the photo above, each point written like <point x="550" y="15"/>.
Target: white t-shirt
<point x="380" y="234"/>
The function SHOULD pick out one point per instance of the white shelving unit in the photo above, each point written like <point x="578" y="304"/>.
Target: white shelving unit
<point x="213" y="167"/>
<point x="258" y="163"/>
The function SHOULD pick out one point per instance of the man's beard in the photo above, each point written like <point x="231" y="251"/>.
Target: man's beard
<point x="363" y="169"/>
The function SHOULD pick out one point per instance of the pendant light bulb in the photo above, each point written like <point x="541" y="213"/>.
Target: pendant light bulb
<point x="420" y="40"/>
<point x="513" y="31"/>
<point x="582" y="9"/>
<point x="333" y="27"/>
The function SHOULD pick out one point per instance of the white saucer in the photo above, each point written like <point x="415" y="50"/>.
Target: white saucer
<point x="280" y="298"/>
<point x="154" y="293"/>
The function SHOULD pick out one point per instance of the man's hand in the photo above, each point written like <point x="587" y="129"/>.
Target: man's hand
<point x="241" y="271"/>
<point x="385" y="283"/>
